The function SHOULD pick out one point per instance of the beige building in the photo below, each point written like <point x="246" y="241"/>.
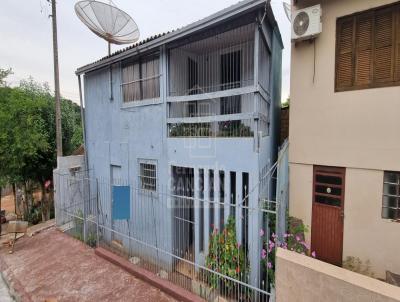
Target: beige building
<point x="345" y="133"/>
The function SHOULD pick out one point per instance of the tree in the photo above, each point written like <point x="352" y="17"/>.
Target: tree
<point x="4" y="73"/>
<point x="286" y="103"/>
<point x="27" y="136"/>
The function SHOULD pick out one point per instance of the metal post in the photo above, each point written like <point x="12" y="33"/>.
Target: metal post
<point x="97" y="212"/>
<point x="83" y="126"/>
<point x="84" y="210"/>
<point x="111" y="77"/>
<point x="56" y="80"/>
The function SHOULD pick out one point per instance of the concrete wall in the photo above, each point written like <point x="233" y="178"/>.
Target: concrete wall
<point x="65" y="191"/>
<point x="366" y="235"/>
<point x="120" y="135"/>
<point x="351" y="129"/>
<point x="355" y="129"/>
<point x="301" y="278"/>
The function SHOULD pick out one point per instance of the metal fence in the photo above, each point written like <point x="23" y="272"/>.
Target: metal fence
<point x="207" y="243"/>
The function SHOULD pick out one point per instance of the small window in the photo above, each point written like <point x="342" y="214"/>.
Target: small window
<point x="141" y="79"/>
<point x="329" y="186"/>
<point x="148" y="176"/>
<point x="368" y="49"/>
<point x="391" y="196"/>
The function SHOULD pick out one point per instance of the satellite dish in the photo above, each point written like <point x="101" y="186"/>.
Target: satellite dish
<point x="287" y="9"/>
<point x="108" y="22"/>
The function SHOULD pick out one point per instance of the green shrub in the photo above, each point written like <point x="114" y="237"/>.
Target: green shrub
<point x="226" y="257"/>
<point x="35" y="215"/>
<point x="91" y="240"/>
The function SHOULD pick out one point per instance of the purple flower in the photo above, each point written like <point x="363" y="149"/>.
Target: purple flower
<point x="298" y="238"/>
<point x="261" y="232"/>
<point x="269" y="265"/>
<point x="313" y="254"/>
<point x="305" y="244"/>
<point x="263" y="254"/>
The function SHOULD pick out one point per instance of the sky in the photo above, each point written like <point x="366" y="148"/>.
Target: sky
<point x="26" y="35"/>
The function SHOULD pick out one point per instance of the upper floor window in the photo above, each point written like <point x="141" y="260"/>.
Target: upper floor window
<point x="141" y="79"/>
<point x="368" y="49"/>
<point x="391" y="196"/>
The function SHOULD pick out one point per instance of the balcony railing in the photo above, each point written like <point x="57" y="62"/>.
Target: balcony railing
<point x="229" y="128"/>
<point x="220" y="62"/>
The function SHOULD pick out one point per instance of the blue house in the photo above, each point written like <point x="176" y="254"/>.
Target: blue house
<point x="186" y="122"/>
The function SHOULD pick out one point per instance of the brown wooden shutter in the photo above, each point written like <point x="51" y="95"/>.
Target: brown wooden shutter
<point x="363" y="50"/>
<point x="384" y="42"/>
<point x="345" y="51"/>
<point x="397" y="48"/>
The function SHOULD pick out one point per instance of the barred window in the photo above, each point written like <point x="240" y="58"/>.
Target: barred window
<point x="148" y="176"/>
<point x="141" y="79"/>
<point x="391" y="196"/>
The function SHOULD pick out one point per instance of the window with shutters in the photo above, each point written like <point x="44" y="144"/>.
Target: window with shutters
<point x="368" y="49"/>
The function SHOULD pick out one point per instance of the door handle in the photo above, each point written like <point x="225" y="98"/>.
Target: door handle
<point x="342" y="214"/>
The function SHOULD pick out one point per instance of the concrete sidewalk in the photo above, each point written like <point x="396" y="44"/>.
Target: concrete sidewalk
<point x="53" y="265"/>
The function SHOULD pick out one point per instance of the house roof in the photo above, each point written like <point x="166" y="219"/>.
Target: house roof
<point x="235" y="10"/>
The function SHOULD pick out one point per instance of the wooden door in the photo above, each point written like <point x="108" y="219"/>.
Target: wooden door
<point x="328" y="214"/>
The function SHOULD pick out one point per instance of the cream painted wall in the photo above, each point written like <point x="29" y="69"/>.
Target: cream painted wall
<point x="349" y="129"/>
<point x="300" y="193"/>
<point x="366" y="234"/>
<point x="300" y="278"/>
<point x="358" y="130"/>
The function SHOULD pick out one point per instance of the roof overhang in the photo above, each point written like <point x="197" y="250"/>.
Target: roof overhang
<point x="224" y="15"/>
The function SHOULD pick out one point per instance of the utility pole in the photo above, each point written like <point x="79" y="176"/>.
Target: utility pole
<point x="56" y="79"/>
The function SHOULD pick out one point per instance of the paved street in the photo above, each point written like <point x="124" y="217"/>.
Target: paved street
<point x="54" y="265"/>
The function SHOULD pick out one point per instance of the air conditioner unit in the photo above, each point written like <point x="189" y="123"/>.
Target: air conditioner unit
<point x="306" y="23"/>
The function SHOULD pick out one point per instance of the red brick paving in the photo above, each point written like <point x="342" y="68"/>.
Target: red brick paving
<point x="54" y="265"/>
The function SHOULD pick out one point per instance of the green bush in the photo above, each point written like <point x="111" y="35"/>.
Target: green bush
<point x="78" y="223"/>
<point x="35" y="215"/>
<point x="226" y="257"/>
<point x="91" y="240"/>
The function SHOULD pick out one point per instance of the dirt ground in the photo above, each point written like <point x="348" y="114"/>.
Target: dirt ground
<point x="54" y="265"/>
<point x="7" y="202"/>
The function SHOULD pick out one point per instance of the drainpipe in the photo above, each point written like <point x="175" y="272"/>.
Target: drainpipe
<point x="83" y="123"/>
<point x="86" y="164"/>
